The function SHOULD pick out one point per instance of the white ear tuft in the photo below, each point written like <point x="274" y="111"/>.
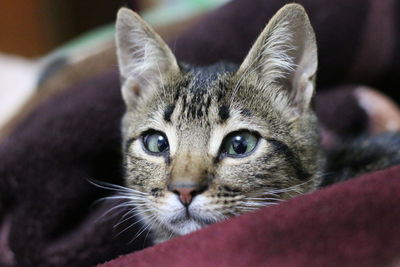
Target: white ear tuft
<point x="143" y="57"/>
<point x="285" y="54"/>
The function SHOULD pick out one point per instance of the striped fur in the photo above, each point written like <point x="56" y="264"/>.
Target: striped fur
<point x="198" y="107"/>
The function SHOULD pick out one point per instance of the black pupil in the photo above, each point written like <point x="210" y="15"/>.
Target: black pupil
<point x="239" y="144"/>
<point x="162" y="143"/>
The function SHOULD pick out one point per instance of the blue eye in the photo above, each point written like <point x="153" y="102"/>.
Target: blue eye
<point x="155" y="142"/>
<point x="239" y="143"/>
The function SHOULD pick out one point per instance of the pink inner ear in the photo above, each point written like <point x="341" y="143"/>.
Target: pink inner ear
<point x="7" y="257"/>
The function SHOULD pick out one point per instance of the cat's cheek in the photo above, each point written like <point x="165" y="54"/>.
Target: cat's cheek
<point x="206" y="210"/>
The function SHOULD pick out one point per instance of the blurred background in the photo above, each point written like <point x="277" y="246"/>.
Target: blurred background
<point x="31" y="28"/>
<point x="44" y="42"/>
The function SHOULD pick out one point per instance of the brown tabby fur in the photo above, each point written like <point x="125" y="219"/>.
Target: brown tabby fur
<point x="270" y="95"/>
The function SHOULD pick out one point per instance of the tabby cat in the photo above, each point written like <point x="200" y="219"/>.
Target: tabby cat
<point x="202" y="144"/>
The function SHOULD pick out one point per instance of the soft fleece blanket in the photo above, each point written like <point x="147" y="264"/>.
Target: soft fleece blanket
<point x="48" y="211"/>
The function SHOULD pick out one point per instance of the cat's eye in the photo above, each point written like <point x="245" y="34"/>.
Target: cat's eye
<point x="155" y="142"/>
<point x="239" y="144"/>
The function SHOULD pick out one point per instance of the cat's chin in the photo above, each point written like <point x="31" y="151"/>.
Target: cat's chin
<point x="175" y="229"/>
<point x="185" y="227"/>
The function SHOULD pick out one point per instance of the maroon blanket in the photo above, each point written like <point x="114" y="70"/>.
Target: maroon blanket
<point x="47" y="211"/>
<point x="350" y="224"/>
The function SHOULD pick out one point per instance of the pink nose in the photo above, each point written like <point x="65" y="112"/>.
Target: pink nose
<point x="185" y="194"/>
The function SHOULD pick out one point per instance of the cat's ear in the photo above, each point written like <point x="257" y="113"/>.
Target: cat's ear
<point x="143" y="57"/>
<point x="285" y="56"/>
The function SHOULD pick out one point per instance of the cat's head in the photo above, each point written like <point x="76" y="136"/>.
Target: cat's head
<point x="202" y="144"/>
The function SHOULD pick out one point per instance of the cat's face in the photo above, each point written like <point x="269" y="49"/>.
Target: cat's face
<point x="202" y="144"/>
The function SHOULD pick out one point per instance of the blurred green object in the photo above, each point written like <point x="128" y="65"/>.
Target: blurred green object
<point x="169" y="11"/>
<point x="89" y="39"/>
<point x="164" y="13"/>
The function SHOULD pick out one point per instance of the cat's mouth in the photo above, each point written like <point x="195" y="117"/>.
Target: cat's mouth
<point x="182" y="219"/>
<point x="188" y="221"/>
